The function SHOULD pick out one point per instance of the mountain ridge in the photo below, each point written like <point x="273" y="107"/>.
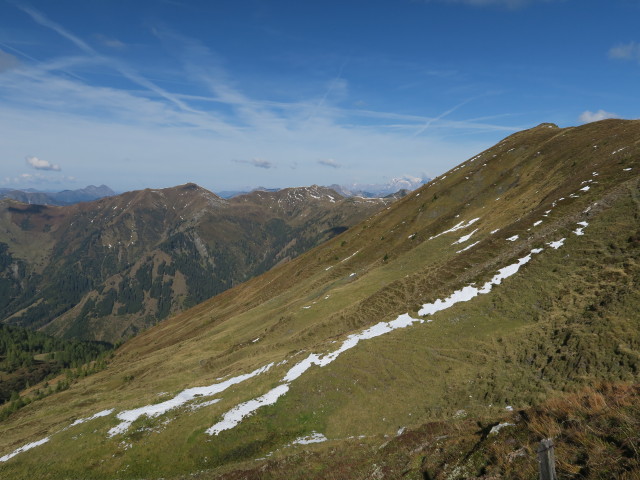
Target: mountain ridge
<point x="130" y="260"/>
<point x="64" y="197"/>
<point x="508" y="279"/>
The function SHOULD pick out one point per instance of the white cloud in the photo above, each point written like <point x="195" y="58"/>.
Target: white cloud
<point x="588" y="116"/>
<point x="40" y="164"/>
<point x="626" y="51"/>
<point x="257" y="162"/>
<point x="95" y="128"/>
<point x="329" y="162"/>
<point x="109" y="42"/>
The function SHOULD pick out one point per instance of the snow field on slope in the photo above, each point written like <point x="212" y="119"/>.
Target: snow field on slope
<point x="235" y="415"/>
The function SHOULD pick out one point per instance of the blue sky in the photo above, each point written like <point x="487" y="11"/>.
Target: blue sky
<point x="239" y="93"/>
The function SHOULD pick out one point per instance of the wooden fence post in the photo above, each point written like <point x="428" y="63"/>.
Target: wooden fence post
<point x="547" y="460"/>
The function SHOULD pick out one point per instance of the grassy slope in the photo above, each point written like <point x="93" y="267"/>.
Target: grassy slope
<point x="566" y="319"/>
<point x="106" y="270"/>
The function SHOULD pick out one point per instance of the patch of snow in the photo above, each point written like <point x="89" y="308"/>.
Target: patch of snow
<point x="626" y="169"/>
<point x="579" y="231"/>
<point x="509" y="408"/>
<point x="350" y="256"/>
<point x="535" y="224"/>
<point x="203" y="404"/>
<point x="459" y="226"/>
<point x="557" y="244"/>
<point x="467" y="293"/>
<point x="307" y="306"/>
<point x="513" y="239"/>
<point x="234" y="416"/>
<point x="464" y="238"/>
<point x="24" y="448"/>
<point x="315" y="437"/>
<point x="352" y="274"/>
<point x="103" y="413"/>
<point x="585" y="189"/>
<point x="494" y="231"/>
<point x="468" y="247"/>
<point x="127" y="417"/>
<point x="499" y="427"/>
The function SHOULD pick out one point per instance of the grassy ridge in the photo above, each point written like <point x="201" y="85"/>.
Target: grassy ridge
<point x="567" y="320"/>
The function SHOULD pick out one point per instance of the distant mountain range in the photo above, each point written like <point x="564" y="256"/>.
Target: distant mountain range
<point x="397" y="187"/>
<point x="405" y="184"/>
<point x="65" y="197"/>
<point x="106" y="269"/>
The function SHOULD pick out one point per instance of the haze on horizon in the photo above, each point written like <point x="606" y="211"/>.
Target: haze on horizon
<point x="274" y="93"/>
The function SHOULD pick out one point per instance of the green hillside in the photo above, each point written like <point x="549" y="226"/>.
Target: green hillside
<point x="105" y="270"/>
<point x="506" y="282"/>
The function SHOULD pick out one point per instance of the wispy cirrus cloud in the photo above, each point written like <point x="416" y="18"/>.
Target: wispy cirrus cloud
<point x="109" y="42"/>
<point x="107" y="121"/>
<point x="626" y="51"/>
<point x="588" y="116"/>
<point x="40" y="164"/>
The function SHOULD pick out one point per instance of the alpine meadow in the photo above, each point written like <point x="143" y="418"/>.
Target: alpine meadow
<point x="441" y="335"/>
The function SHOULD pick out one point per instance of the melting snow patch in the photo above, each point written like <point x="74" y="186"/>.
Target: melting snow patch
<point x="350" y="256"/>
<point x="204" y="404"/>
<point x="315" y="437"/>
<point x="352" y="274"/>
<point x="585" y="189"/>
<point x="24" y="448"/>
<point x="626" y="169"/>
<point x="103" y="413"/>
<point x="129" y="416"/>
<point x="535" y="224"/>
<point x="464" y="238"/>
<point x="579" y="231"/>
<point x="234" y="416"/>
<point x="494" y="231"/>
<point x="513" y="239"/>
<point x="468" y="247"/>
<point x="509" y="408"/>
<point x="459" y="226"/>
<point x="499" y="427"/>
<point x="467" y="293"/>
<point x="556" y="245"/>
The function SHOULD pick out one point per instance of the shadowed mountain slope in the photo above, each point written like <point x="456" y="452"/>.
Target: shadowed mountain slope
<point x="104" y="270"/>
<point x="506" y="281"/>
<point x="65" y="197"/>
